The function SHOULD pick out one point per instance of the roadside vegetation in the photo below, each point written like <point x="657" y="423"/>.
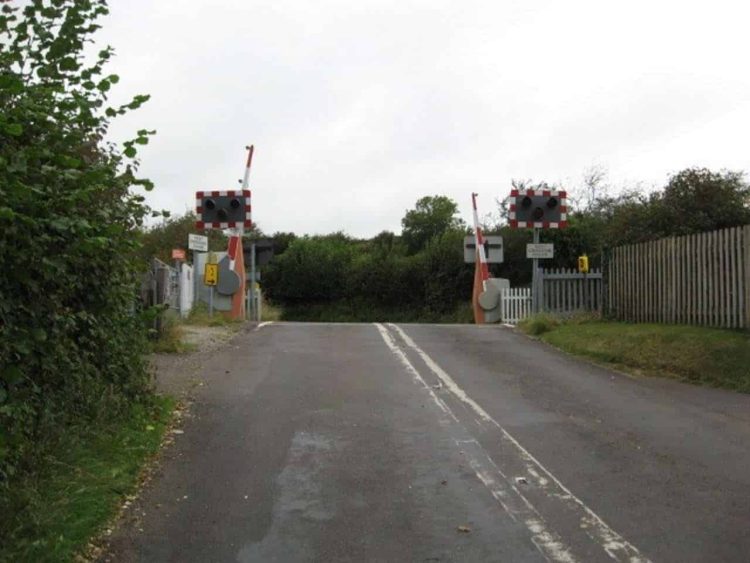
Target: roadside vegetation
<point x="79" y="483"/>
<point x="78" y="415"/>
<point x="419" y="275"/>
<point x="715" y="357"/>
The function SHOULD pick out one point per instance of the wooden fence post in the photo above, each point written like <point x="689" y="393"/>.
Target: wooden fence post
<point x="746" y="279"/>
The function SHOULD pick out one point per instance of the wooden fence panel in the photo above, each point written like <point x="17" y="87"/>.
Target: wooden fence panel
<point x="567" y="291"/>
<point x="701" y="279"/>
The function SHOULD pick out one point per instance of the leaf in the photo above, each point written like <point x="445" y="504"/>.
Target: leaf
<point x="12" y="375"/>
<point x="69" y="63"/>
<point x="130" y="152"/>
<point x="14" y="129"/>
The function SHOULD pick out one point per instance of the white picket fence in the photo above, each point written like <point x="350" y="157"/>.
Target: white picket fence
<point x="515" y="304"/>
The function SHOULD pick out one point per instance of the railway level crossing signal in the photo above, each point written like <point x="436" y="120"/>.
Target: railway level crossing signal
<point x="538" y="209"/>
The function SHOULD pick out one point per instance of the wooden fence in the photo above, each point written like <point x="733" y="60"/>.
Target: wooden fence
<point x="567" y="291"/>
<point x="515" y="304"/>
<point x="701" y="279"/>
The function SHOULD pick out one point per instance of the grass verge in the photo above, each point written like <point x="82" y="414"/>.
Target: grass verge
<point x="715" y="357"/>
<point x="199" y="317"/>
<point x="78" y="485"/>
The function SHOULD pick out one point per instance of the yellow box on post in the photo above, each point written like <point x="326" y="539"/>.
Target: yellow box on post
<point x="583" y="264"/>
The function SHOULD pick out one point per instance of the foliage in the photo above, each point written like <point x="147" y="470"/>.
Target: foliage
<point x="50" y="514"/>
<point x="159" y="240"/>
<point x="70" y="339"/>
<point x="312" y="269"/>
<point x="378" y="274"/>
<point x="694" y="200"/>
<point x="431" y="217"/>
<point x="708" y="356"/>
<point x="281" y="242"/>
<point x="170" y="339"/>
<point x="423" y="269"/>
<point x="367" y="311"/>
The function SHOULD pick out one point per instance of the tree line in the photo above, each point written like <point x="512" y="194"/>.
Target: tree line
<point x="422" y="268"/>
<point x="419" y="273"/>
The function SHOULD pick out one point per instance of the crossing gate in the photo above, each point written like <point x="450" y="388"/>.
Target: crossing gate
<point x="516" y="304"/>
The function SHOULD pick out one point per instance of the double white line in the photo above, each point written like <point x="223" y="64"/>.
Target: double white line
<point x="503" y="488"/>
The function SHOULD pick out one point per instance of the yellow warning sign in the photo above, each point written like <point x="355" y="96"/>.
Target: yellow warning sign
<point x="211" y="274"/>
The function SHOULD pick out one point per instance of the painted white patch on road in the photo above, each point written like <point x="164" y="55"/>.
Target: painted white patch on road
<point x="261" y="325"/>
<point x="617" y="547"/>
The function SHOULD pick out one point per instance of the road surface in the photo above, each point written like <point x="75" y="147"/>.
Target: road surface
<point x="428" y="443"/>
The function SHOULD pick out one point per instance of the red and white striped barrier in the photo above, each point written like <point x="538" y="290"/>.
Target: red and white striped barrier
<point x="479" y="243"/>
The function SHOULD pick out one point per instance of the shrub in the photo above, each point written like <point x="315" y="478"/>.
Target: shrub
<point x="70" y="336"/>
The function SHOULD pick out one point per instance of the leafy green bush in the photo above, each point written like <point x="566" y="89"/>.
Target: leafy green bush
<point x="70" y="337"/>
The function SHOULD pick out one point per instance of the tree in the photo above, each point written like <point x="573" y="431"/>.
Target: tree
<point x="431" y="217"/>
<point x="159" y="240"/>
<point x="697" y="200"/>
<point x="70" y="341"/>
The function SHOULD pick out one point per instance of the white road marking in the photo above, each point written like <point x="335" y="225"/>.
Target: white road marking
<point x="547" y="542"/>
<point x="411" y="369"/>
<point x="261" y="325"/>
<point x="617" y="547"/>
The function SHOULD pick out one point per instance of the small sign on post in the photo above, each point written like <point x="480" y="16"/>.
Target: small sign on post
<point x="493" y="249"/>
<point x="211" y="274"/>
<point x="178" y="254"/>
<point x="540" y="251"/>
<point x="198" y="242"/>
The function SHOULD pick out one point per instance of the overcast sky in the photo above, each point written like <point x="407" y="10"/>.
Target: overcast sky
<point x="358" y="108"/>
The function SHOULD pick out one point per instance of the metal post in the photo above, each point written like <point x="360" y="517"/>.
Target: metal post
<point x="535" y="305"/>
<point x="211" y="302"/>
<point x="253" y="305"/>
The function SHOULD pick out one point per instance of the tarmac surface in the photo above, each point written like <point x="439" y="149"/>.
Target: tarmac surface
<point x="440" y="443"/>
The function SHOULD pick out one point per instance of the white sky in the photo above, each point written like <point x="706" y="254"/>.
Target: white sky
<point x="358" y="108"/>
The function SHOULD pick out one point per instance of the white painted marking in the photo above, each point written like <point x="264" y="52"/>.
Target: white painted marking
<point x="261" y="325"/>
<point x="617" y="547"/>
<point x="547" y="542"/>
<point x="411" y="369"/>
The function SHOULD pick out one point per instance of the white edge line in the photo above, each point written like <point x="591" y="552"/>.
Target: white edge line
<point x="611" y="541"/>
<point x="545" y="541"/>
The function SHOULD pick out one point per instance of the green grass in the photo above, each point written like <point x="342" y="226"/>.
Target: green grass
<point x="707" y="356"/>
<point x="76" y="488"/>
<point x="171" y="340"/>
<point x="199" y="316"/>
<point x="270" y="312"/>
<point x="365" y="312"/>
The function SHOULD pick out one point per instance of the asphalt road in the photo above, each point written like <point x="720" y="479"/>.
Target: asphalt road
<point x="425" y="443"/>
